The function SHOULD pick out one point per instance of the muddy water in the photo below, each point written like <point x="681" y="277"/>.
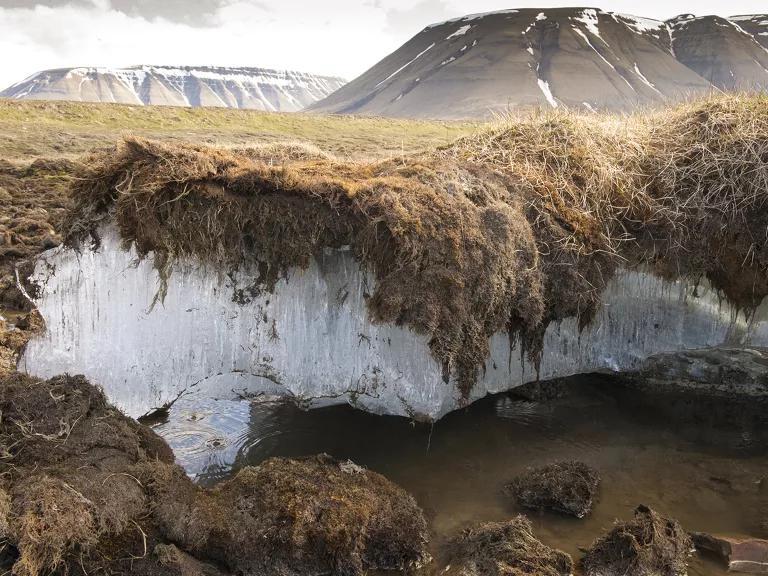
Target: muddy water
<point x="698" y="460"/>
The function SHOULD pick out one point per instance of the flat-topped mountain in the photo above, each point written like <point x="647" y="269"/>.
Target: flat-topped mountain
<point x="579" y="57"/>
<point x="253" y="88"/>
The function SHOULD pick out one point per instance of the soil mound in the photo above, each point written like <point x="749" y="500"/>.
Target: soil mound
<point x="505" y="549"/>
<point x="564" y="487"/>
<point x="66" y="456"/>
<point x="519" y="226"/>
<point x="295" y="517"/>
<point x="83" y="488"/>
<point x="648" y="545"/>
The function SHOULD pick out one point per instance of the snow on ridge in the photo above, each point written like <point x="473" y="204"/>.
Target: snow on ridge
<point x="460" y="32"/>
<point x="236" y="87"/>
<point x="590" y="20"/>
<point x="640" y="24"/>
<point x="469" y="17"/>
<point x="396" y="72"/>
<point x="603" y="58"/>
<point x="753" y="17"/>
<point x="264" y="75"/>
<point x="645" y="80"/>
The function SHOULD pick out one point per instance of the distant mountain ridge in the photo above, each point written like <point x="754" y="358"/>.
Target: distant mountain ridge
<point x="579" y="57"/>
<point x="251" y="88"/>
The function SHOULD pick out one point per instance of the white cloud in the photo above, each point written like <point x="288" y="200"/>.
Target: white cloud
<point x="342" y="37"/>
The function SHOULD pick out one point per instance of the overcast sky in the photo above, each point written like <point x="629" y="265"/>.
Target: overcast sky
<point x="339" y="37"/>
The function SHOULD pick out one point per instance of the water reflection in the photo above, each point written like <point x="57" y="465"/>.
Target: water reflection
<point x="697" y="459"/>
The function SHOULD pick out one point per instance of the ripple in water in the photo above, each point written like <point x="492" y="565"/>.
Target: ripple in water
<point x="699" y="460"/>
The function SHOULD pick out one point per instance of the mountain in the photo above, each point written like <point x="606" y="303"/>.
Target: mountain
<point x="253" y="88"/>
<point x="579" y="57"/>
<point x="755" y="24"/>
<point x="720" y="50"/>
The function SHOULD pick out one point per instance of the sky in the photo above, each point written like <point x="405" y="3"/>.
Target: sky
<point x="335" y="37"/>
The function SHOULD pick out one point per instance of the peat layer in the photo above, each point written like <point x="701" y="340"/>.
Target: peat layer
<point x="514" y="228"/>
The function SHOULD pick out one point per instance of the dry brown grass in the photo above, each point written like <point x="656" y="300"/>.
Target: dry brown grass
<point x="5" y="512"/>
<point x="512" y="228"/>
<point x="505" y="549"/>
<point x="568" y="487"/>
<point x="53" y="520"/>
<point x="648" y="544"/>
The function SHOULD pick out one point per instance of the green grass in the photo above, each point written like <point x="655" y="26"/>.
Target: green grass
<point x="30" y="129"/>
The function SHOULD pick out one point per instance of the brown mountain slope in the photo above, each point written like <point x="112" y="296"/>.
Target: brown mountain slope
<point x="468" y="67"/>
<point x="721" y="51"/>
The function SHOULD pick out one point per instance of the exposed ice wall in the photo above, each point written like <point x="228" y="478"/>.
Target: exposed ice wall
<point x="312" y="338"/>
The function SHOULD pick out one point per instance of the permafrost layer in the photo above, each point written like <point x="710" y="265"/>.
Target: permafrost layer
<point x="312" y="339"/>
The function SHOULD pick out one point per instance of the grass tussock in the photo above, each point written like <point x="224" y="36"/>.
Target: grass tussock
<point x="512" y="228"/>
<point x="568" y="487"/>
<point x="53" y="520"/>
<point x="505" y="548"/>
<point x="648" y="544"/>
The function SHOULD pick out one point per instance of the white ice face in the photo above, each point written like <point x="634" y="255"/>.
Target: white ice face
<point x="312" y="339"/>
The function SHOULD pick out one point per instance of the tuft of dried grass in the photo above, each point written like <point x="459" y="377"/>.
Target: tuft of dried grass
<point x="513" y="228"/>
<point x="648" y="544"/>
<point x="568" y="487"/>
<point x="505" y="548"/>
<point x="51" y="520"/>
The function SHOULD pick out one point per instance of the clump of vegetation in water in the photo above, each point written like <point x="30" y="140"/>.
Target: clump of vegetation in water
<point x="647" y="545"/>
<point x="513" y="228"/>
<point x="83" y="487"/>
<point x="564" y="487"/>
<point x="505" y="548"/>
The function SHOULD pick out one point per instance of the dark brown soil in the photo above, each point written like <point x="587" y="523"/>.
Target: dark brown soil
<point x="565" y="487"/>
<point x="84" y="489"/>
<point x="505" y="549"/>
<point x="648" y="545"/>
<point x="34" y="199"/>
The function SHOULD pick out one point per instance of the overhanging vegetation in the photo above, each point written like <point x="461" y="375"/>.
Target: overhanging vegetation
<point x="513" y="228"/>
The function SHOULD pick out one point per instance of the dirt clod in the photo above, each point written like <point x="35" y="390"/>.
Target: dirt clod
<point x="564" y="487"/>
<point x="648" y="545"/>
<point x="505" y="549"/>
